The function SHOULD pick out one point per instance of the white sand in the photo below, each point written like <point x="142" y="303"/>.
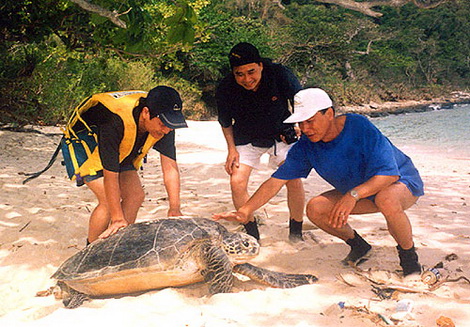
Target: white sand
<point x="45" y="221"/>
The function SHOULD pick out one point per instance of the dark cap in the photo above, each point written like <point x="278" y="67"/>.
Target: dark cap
<point x="165" y="102"/>
<point x="243" y="53"/>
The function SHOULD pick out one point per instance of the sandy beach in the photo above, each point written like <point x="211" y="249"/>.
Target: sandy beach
<point x="45" y="221"/>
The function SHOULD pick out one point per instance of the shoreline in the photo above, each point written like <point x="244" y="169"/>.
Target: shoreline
<point x="373" y="109"/>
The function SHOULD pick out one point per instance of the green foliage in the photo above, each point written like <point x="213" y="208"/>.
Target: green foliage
<point x="384" y="59"/>
<point x="55" y="53"/>
<point x="436" y="42"/>
<point x="181" y="25"/>
<point x="208" y="60"/>
<point x="62" y="79"/>
<point x="318" y="38"/>
<point x="32" y="21"/>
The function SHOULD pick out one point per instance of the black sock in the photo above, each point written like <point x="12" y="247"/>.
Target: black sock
<point x="357" y="242"/>
<point x="359" y="248"/>
<point x="295" y="227"/>
<point x="409" y="260"/>
<point x="295" y="230"/>
<point x="251" y="228"/>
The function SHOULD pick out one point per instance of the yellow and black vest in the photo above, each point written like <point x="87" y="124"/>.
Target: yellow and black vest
<point x="121" y="103"/>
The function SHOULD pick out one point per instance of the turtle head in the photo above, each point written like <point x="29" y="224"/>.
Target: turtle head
<point x="240" y="247"/>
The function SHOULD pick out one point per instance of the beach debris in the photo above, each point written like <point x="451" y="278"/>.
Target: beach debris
<point x="383" y="293"/>
<point x="15" y="247"/>
<point x="339" y="310"/>
<point x="451" y="257"/>
<point x="444" y="321"/>
<point x="388" y="292"/>
<point x="403" y="289"/>
<point x="351" y="279"/>
<point x="447" y="279"/>
<point x="24" y="227"/>
<point x="380" y="283"/>
<point x="403" y="310"/>
<point x="335" y="309"/>
<point x="385" y="319"/>
<point x="308" y="235"/>
<point x="362" y="311"/>
<point x="439" y="265"/>
<point x="431" y="276"/>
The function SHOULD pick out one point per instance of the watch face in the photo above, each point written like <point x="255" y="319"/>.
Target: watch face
<point x="354" y="194"/>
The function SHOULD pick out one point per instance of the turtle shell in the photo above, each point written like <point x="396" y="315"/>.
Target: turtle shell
<point x="142" y="256"/>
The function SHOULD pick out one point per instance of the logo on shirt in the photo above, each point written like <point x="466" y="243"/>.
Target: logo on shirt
<point x="121" y="94"/>
<point x="274" y="98"/>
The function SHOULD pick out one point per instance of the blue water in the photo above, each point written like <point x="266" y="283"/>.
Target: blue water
<point x="446" y="130"/>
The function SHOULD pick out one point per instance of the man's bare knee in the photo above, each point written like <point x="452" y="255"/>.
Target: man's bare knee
<point x="238" y="183"/>
<point x="388" y="205"/>
<point x="316" y="209"/>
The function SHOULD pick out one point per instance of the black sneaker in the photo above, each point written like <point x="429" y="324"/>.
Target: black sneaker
<point x="295" y="231"/>
<point x="359" y="250"/>
<point x="409" y="261"/>
<point x="251" y="228"/>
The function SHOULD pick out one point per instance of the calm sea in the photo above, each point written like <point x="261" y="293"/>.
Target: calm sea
<point x="446" y="131"/>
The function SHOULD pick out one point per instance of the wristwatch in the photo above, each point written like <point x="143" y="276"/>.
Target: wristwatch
<point x="354" y="194"/>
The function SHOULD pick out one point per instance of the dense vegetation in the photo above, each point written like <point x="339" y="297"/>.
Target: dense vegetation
<point x="54" y="53"/>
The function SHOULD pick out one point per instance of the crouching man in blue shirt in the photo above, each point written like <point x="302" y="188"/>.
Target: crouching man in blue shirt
<point x="368" y="173"/>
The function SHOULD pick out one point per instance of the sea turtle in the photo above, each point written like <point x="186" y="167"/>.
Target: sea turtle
<point x="165" y="253"/>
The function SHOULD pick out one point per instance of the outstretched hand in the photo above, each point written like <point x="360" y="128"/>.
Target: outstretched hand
<point x="113" y="228"/>
<point x="235" y="216"/>
<point x="174" y="213"/>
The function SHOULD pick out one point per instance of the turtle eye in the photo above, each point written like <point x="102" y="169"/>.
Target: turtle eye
<point x="246" y="243"/>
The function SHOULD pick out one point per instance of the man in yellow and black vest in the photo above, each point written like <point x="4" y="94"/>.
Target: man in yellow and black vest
<point x="104" y="144"/>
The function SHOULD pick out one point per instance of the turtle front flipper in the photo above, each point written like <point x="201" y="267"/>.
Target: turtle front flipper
<point x="273" y="278"/>
<point x="218" y="269"/>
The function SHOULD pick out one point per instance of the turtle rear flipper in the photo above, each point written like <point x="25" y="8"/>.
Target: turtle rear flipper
<point x="75" y="300"/>
<point x="71" y="298"/>
<point x="273" y="278"/>
<point x="218" y="270"/>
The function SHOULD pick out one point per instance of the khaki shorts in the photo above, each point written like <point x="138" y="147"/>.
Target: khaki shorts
<point x="251" y="155"/>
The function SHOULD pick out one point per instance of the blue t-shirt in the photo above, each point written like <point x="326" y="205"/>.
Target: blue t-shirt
<point x="359" y="152"/>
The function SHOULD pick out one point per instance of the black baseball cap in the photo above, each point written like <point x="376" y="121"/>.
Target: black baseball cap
<point x="165" y="102"/>
<point x="243" y="53"/>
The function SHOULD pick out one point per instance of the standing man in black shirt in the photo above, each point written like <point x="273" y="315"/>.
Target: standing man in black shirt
<point x="252" y="102"/>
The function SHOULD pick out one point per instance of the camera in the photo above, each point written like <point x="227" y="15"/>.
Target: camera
<point x="290" y="135"/>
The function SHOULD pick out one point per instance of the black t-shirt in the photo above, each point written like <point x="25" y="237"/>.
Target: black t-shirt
<point x="257" y="117"/>
<point x="110" y="129"/>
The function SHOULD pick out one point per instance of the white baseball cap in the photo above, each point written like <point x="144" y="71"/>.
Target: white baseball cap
<point x="307" y="103"/>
